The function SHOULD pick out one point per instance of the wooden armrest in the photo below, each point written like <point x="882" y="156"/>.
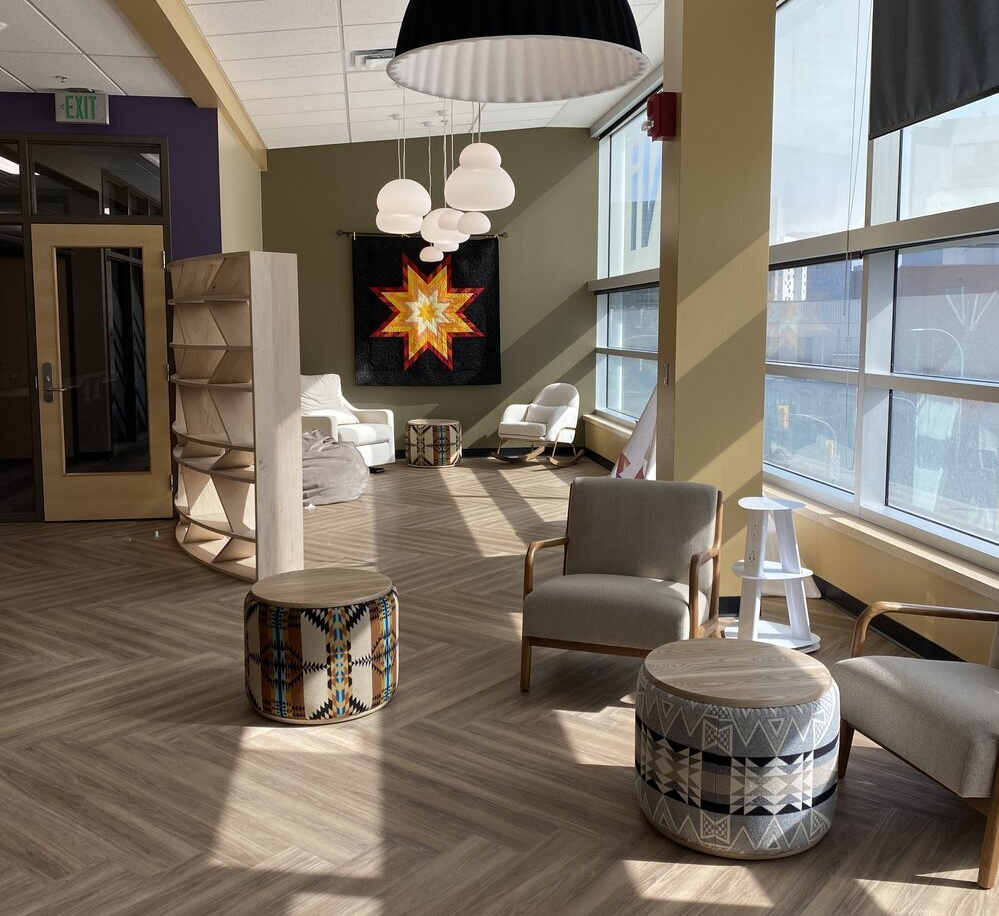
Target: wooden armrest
<point x="534" y="547"/>
<point x="923" y="610"/>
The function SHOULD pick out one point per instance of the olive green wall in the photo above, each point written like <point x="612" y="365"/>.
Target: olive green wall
<point x="547" y="315"/>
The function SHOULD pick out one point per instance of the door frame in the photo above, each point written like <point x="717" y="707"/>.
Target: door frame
<point x="27" y="218"/>
<point x="132" y="494"/>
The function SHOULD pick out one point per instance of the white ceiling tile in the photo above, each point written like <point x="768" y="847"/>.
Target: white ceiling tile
<point x="300" y="119"/>
<point x="100" y="28"/>
<point x="263" y="15"/>
<point x="414" y="113"/>
<point x="361" y="12"/>
<point x="29" y="30"/>
<point x="515" y="125"/>
<point x="326" y="102"/>
<point x="266" y="68"/>
<point x="39" y="71"/>
<point x="9" y="84"/>
<point x="281" y="137"/>
<point x="286" y="42"/>
<point x="382" y="97"/>
<point x="369" y="80"/>
<point x="140" y="75"/>
<point x="298" y="85"/>
<point x="370" y="37"/>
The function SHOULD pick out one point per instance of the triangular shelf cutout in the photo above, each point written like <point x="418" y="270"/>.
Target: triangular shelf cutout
<point x="197" y="323"/>
<point x="236" y="550"/>
<point x="200" y="413"/>
<point x="238" y="504"/>
<point x="234" y="366"/>
<point x="195" y="534"/>
<point x="201" y="497"/>
<point x="233" y="318"/>
<point x="197" y="363"/>
<point x="236" y="411"/>
<point x="191" y="279"/>
<point x="198" y="450"/>
<point x="233" y="279"/>
<point x="234" y="458"/>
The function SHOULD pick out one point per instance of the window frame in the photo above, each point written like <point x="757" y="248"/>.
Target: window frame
<point x="606" y="283"/>
<point x="878" y="247"/>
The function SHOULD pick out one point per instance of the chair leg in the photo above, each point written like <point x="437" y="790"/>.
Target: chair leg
<point x="525" y="664"/>
<point x="845" y="743"/>
<point x="989" y="863"/>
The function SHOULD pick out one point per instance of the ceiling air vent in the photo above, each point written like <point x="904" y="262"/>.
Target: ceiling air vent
<point x="371" y="60"/>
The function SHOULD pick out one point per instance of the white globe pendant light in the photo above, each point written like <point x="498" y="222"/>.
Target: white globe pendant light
<point x="396" y="224"/>
<point x="449" y="219"/>
<point x="431" y="229"/>
<point x="446" y="246"/>
<point x="404" y="197"/>
<point x="479" y="183"/>
<point x="431" y="254"/>
<point x="474" y="223"/>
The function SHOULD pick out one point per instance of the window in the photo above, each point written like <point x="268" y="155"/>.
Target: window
<point x="628" y="298"/>
<point x="634" y="218"/>
<point x="627" y="342"/>
<point x="882" y="387"/>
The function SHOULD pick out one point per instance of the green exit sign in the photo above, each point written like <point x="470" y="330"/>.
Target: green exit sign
<point x="80" y="106"/>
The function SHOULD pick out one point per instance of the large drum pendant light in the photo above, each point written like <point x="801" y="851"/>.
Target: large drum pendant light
<point x="517" y="50"/>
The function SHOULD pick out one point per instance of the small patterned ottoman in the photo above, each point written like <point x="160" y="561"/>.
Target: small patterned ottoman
<point x="433" y="443"/>
<point x="321" y="645"/>
<point x="735" y="747"/>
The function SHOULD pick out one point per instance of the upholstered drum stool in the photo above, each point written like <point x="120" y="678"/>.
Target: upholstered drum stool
<point x="433" y="443"/>
<point x="321" y="645"/>
<point x="735" y="747"/>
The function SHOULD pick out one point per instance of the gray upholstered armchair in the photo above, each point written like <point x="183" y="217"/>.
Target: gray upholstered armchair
<point x="636" y="570"/>
<point x="941" y="717"/>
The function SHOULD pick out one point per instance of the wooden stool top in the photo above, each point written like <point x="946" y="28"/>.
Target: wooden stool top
<point x="432" y="421"/>
<point x="328" y="586"/>
<point x="737" y="672"/>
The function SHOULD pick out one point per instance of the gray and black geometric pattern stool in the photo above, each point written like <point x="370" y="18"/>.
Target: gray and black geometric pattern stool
<point x="321" y="644"/>
<point x="735" y="747"/>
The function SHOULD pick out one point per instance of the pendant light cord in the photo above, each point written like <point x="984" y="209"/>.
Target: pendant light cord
<point x="403" y="133"/>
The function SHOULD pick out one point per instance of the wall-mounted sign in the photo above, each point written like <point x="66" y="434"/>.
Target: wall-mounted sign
<point x="80" y="106"/>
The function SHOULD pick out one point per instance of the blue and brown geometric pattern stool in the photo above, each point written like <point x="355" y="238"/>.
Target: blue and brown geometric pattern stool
<point x="735" y="747"/>
<point x="321" y="645"/>
<point x="433" y="443"/>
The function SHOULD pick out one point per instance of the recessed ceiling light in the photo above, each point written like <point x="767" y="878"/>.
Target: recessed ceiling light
<point x="3" y="25"/>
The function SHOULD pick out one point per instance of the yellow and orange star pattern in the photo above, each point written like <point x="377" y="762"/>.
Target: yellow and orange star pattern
<point x="427" y="313"/>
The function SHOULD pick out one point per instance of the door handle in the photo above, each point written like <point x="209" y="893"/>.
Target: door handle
<point x="47" y="387"/>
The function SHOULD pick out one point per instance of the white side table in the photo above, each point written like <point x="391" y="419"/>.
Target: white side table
<point x="754" y="570"/>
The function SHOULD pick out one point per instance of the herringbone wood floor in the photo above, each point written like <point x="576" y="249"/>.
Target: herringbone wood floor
<point x="134" y="779"/>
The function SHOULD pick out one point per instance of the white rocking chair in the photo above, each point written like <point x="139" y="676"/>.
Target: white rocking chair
<point x="550" y="419"/>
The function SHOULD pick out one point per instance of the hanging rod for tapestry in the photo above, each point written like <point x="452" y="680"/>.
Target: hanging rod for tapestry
<point x="354" y="235"/>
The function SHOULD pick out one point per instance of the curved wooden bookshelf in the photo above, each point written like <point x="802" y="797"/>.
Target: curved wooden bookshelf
<point x="236" y="354"/>
<point x="219" y="524"/>
<point x="207" y="553"/>
<point x="219" y="440"/>
<point x="208" y="383"/>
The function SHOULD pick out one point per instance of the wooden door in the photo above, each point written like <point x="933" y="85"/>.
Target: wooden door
<point x="100" y="319"/>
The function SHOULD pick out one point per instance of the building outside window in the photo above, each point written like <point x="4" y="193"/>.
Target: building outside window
<point x="882" y="387"/>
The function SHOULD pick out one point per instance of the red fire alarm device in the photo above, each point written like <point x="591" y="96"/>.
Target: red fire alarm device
<point x="661" y="116"/>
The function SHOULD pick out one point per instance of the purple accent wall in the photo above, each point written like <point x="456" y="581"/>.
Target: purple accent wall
<point x="192" y="145"/>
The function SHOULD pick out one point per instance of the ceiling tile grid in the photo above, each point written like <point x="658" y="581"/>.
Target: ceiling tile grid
<point x="292" y="64"/>
<point x="53" y="44"/>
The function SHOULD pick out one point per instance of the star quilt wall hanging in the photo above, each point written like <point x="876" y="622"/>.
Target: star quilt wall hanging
<point x="425" y="324"/>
